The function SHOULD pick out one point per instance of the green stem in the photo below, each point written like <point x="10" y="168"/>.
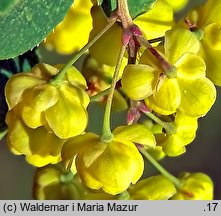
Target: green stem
<point x="164" y="172"/>
<point x="168" y="126"/>
<point x="107" y="136"/>
<point x="169" y="69"/>
<point x="2" y="134"/>
<point x="99" y="95"/>
<point x="58" y="79"/>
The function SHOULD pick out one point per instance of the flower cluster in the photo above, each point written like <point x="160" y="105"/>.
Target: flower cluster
<point x="151" y="66"/>
<point x="42" y="114"/>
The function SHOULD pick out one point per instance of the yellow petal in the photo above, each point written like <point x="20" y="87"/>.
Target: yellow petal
<point x="114" y="170"/>
<point x="66" y="118"/>
<point x="16" y="85"/>
<point x="37" y="100"/>
<point x="39" y="146"/>
<point x="197" y="96"/>
<point x="212" y="35"/>
<point x="138" y="81"/>
<point x="186" y="127"/>
<point x="155" y="22"/>
<point x="75" y="94"/>
<point x="167" y="95"/>
<point x="106" y="50"/>
<point x="73" y="32"/>
<point x="213" y="66"/>
<point x="152" y="188"/>
<point x="190" y="66"/>
<point x="76" y="144"/>
<point x="178" y="42"/>
<point x="135" y="133"/>
<point x="74" y="76"/>
<point x="196" y="186"/>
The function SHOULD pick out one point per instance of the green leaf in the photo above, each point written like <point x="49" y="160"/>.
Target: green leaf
<point x="6" y="5"/>
<point x="27" y="23"/>
<point x="135" y="7"/>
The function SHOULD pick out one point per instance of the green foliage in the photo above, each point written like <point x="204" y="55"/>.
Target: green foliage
<point x="135" y="7"/>
<point x="6" y="5"/>
<point x="24" y="24"/>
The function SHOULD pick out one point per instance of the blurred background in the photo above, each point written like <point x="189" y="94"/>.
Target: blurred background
<point x="203" y="155"/>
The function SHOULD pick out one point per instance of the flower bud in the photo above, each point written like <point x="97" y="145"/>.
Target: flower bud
<point x="196" y="186"/>
<point x="152" y="188"/>
<point x="138" y="81"/>
<point x="53" y="183"/>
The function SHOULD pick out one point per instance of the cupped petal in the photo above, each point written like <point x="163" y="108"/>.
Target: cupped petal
<point x="44" y="71"/>
<point x="186" y="127"/>
<point x="114" y="170"/>
<point x="66" y="118"/>
<point x="75" y="94"/>
<point x="190" y="66"/>
<point x="213" y="66"/>
<point x="18" y="135"/>
<point x="197" y="96"/>
<point x="212" y="36"/>
<point x="37" y="100"/>
<point x="136" y="133"/>
<point x="38" y="145"/>
<point x="155" y="22"/>
<point x="179" y="41"/>
<point x="173" y="146"/>
<point x="17" y="84"/>
<point x="74" y="76"/>
<point x="167" y="95"/>
<point x="138" y="81"/>
<point x="152" y="188"/>
<point x="150" y="103"/>
<point x="76" y="144"/>
<point x="196" y="186"/>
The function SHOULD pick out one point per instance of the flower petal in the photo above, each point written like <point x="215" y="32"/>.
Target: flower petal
<point x="178" y="42"/>
<point x="135" y="133"/>
<point x="155" y="22"/>
<point x="197" y="96"/>
<point x="37" y="100"/>
<point x="190" y="66"/>
<point x="16" y="85"/>
<point x="66" y="118"/>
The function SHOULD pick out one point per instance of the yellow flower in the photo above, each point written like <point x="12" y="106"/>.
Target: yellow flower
<point x="39" y="146"/>
<point x="174" y="144"/>
<point x="42" y="114"/>
<point x="183" y="86"/>
<point x="152" y="188"/>
<point x="205" y="22"/>
<point x="154" y="23"/>
<point x="73" y="32"/>
<point x="196" y="186"/>
<point x="109" y="166"/>
<point x="53" y="183"/>
<point x="59" y="108"/>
